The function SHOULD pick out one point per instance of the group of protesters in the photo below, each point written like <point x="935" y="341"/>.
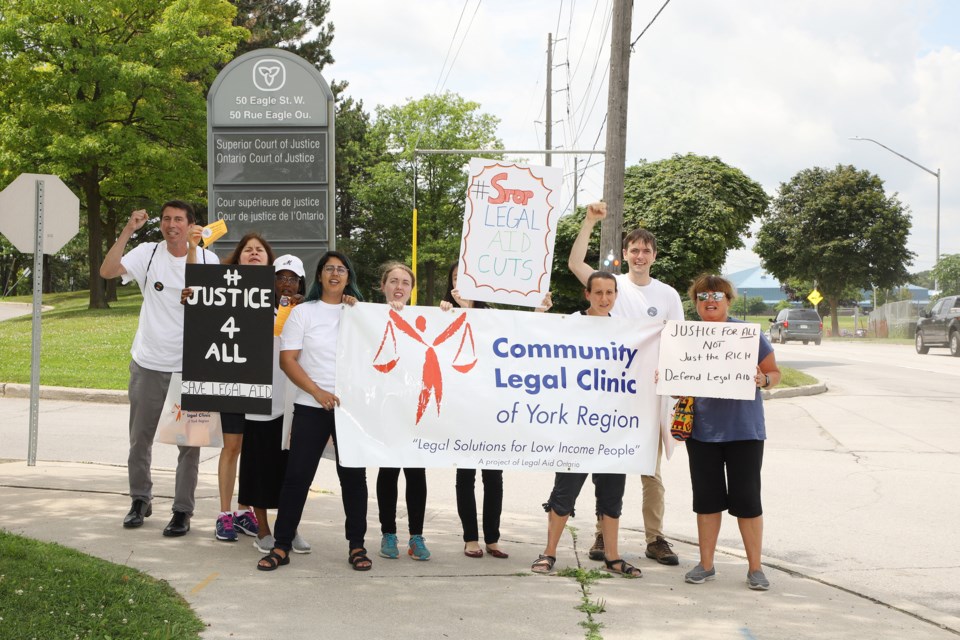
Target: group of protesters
<point x="276" y="469"/>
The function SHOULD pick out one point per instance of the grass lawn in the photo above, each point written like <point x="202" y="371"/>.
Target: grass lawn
<point x="80" y="347"/>
<point x="50" y="591"/>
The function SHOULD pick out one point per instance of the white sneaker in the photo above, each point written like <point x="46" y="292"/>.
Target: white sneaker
<point x="264" y="544"/>
<point x="300" y="545"/>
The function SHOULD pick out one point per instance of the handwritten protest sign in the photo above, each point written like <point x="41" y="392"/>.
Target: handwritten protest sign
<point x="227" y="339"/>
<point x="509" y="228"/>
<point x="496" y="389"/>
<point x="709" y="359"/>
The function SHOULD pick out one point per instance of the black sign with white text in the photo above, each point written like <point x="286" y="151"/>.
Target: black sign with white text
<point x="228" y="339"/>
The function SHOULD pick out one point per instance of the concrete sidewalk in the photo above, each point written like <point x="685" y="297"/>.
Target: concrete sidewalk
<point x="451" y="596"/>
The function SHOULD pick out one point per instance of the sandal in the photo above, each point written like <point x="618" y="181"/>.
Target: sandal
<point x="359" y="561"/>
<point x="272" y="560"/>
<point x="543" y="564"/>
<point x="623" y="568"/>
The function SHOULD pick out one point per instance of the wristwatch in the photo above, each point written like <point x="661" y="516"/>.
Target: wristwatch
<point x="766" y="381"/>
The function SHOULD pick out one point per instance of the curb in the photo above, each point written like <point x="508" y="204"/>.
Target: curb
<point x="793" y="392"/>
<point x="106" y="396"/>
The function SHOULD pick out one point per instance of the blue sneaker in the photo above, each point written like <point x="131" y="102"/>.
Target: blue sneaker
<point x="388" y="546"/>
<point x="417" y="548"/>
<point x="225" y="530"/>
<point x="246" y="522"/>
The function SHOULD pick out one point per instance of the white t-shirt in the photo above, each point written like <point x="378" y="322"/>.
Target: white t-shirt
<point x="313" y="329"/>
<point x="158" y="344"/>
<point x="654" y="300"/>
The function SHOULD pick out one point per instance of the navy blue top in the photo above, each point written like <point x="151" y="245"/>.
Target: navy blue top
<point x="726" y="420"/>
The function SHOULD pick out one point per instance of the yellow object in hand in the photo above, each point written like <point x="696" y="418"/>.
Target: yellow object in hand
<point x="212" y="232"/>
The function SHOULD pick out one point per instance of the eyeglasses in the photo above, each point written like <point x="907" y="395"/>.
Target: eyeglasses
<point x="716" y="296"/>
<point x="331" y="269"/>
<point x="289" y="279"/>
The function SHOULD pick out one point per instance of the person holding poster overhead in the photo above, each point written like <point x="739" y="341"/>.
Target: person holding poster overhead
<point x="639" y="296"/>
<point x="467" y="478"/>
<point x="601" y="292"/>
<point x="397" y="284"/>
<point x="308" y="356"/>
<point x="726" y="449"/>
<point x="157" y="352"/>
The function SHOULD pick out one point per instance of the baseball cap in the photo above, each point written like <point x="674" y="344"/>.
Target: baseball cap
<point x="289" y="262"/>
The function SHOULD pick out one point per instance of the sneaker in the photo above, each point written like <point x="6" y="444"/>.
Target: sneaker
<point x="265" y="544"/>
<point x="659" y="550"/>
<point x="388" y="546"/>
<point x="300" y="545"/>
<point x="596" y="551"/>
<point x="246" y="522"/>
<point x="699" y="575"/>
<point x="225" y="530"/>
<point x="417" y="548"/>
<point x="757" y="581"/>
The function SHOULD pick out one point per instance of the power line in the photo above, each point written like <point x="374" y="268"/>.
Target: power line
<point x="453" y="39"/>
<point x="648" y="24"/>
<point x="462" y="41"/>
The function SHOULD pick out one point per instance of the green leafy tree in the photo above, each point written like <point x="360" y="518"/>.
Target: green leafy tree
<point x="838" y="229"/>
<point x="298" y="27"/>
<point x="383" y="228"/>
<point x="947" y="273"/>
<point x="698" y="207"/>
<point x="110" y="96"/>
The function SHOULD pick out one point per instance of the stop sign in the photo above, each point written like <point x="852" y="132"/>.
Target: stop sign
<point x="18" y="206"/>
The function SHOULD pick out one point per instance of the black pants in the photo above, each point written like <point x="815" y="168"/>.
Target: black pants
<point x="311" y="429"/>
<point x="353" y="490"/>
<point x="416" y="496"/>
<point x="608" y="489"/>
<point x="492" y="504"/>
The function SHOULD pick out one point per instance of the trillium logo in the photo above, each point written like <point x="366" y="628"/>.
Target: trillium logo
<point x="269" y="75"/>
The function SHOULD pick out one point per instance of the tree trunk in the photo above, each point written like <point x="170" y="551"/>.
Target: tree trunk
<point x="110" y="235"/>
<point x="431" y="270"/>
<point x="91" y="189"/>
<point x="47" y="276"/>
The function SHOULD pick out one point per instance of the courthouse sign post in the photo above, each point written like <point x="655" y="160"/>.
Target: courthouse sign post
<point x="270" y="152"/>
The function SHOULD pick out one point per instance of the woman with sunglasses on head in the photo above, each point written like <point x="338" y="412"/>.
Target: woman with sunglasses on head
<point x="726" y="449"/>
<point x="397" y="284"/>
<point x="308" y="357"/>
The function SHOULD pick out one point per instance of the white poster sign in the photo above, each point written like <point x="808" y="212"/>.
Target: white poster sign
<point x="709" y="359"/>
<point x="490" y="389"/>
<point x="509" y="228"/>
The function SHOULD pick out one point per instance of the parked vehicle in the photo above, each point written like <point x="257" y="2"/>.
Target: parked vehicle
<point x="940" y="326"/>
<point x="796" y="324"/>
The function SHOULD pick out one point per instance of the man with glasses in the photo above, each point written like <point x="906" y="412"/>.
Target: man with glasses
<point x="639" y="296"/>
<point x="157" y="352"/>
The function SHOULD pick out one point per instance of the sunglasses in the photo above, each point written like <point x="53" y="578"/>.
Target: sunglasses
<point x="716" y="296"/>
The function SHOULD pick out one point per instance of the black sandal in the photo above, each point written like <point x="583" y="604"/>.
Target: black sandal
<point x="359" y="561"/>
<point x="272" y="560"/>
<point x="543" y="564"/>
<point x="623" y="568"/>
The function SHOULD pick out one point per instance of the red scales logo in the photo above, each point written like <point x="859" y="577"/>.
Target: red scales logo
<point x="432" y="379"/>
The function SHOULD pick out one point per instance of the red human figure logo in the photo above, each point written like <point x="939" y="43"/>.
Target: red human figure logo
<point x="432" y="378"/>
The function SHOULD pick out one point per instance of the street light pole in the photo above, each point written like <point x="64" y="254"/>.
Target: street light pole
<point x="936" y="174"/>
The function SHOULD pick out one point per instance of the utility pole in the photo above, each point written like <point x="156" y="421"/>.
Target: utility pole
<point x="548" y="135"/>
<point x="611" y="230"/>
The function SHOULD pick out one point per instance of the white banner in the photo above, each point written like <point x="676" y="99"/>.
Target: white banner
<point x="490" y="389"/>
<point x="509" y="229"/>
<point x="709" y="359"/>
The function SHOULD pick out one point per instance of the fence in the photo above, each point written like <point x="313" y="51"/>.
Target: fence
<point x="895" y="320"/>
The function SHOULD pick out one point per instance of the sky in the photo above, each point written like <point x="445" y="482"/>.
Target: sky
<point x="771" y="88"/>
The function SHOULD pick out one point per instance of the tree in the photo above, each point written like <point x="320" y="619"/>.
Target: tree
<point x="285" y="24"/>
<point x="947" y="273"/>
<point x="382" y="231"/>
<point x="110" y="96"/>
<point x="837" y="228"/>
<point x="698" y="207"/>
